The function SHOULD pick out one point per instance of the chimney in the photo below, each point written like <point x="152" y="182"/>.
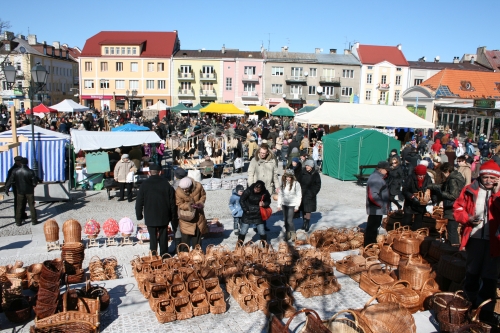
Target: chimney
<point x="317" y="50"/>
<point x="472" y="60"/>
<point x="456" y="60"/>
<point x="437" y="59"/>
<point x="347" y="51"/>
<point x="333" y="51"/>
<point x="356" y="45"/>
<point x="32" y="39"/>
<point x="56" y="45"/>
<point x="284" y="49"/>
<point x="223" y="48"/>
<point x="44" y="42"/>
<point x="21" y="36"/>
<point x="8" y="35"/>
<point x="399" y="47"/>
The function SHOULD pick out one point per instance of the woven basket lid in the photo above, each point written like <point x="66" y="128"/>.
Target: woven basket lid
<point x="70" y="225"/>
<point x="51" y="230"/>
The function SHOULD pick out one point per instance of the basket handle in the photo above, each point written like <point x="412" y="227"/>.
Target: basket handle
<point x="179" y="246"/>
<point x="307" y="311"/>
<point x="425" y="283"/>
<point x="417" y="256"/>
<point x="396" y="226"/>
<point x="478" y="310"/>
<point x="343" y="311"/>
<point x="371" y="300"/>
<point x="371" y="267"/>
<point x="403" y="282"/>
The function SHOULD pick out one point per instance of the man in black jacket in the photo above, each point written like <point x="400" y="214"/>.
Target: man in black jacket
<point x="156" y="204"/>
<point x="17" y="164"/>
<point x="25" y="181"/>
<point x="417" y="181"/>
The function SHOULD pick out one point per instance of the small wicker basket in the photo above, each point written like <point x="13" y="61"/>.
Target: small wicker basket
<point x="51" y="231"/>
<point x="72" y="231"/>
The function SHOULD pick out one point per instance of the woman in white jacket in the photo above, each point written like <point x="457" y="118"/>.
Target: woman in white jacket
<point x="289" y="199"/>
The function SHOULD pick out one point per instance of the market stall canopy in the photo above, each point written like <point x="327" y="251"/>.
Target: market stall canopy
<point x="283" y="112"/>
<point x="307" y="108"/>
<point x="92" y="140"/>
<point x="179" y="107"/>
<point x="222" y="108"/>
<point x="197" y="107"/>
<point x="363" y="115"/>
<point x="281" y="105"/>
<point x="42" y="108"/>
<point x="68" y="105"/>
<point x="257" y="108"/>
<point x="159" y="106"/>
<point x="129" y="128"/>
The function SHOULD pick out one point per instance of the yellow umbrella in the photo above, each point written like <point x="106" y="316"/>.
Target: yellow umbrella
<point x="222" y="108"/>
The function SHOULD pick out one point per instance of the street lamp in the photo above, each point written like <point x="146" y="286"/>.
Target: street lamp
<point x="130" y="95"/>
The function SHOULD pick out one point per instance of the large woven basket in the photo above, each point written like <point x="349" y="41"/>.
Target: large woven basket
<point x="344" y="325"/>
<point x="51" y="231"/>
<point x="72" y="231"/>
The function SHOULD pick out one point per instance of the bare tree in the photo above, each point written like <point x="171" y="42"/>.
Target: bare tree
<point x="4" y="25"/>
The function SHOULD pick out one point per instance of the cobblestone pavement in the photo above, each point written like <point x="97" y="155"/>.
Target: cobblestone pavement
<point x="340" y="204"/>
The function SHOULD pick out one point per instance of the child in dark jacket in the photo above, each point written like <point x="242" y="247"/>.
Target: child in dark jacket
<point x="235" y="207"/>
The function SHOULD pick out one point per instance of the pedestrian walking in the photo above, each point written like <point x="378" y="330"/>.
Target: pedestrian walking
<point x="122" y="168"/>
<point x="418" y="181"/>
<point x="310" y="183"/>
<point x="395" y="181"/>
<point x="235" y="207"/>
<point x="25" y="181"/>
<point x="17" y="164"/>
<point x="377" y="201"/>
<point x="289" y="199"/>
<point x="254" y="197"/>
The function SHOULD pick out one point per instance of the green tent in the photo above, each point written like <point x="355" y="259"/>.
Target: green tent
<point x="179" y="107"/>
<point x="344" y="151"/>
<point x="307" y="108"/>
<point x="197" y="107"/>
<point x="283" y="112"/>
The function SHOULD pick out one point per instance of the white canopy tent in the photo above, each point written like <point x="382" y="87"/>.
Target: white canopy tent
<point x="363" y="115"/>
<point x="68" y="105"/>
<point x="158" y="106"/>
<point x="91" y="140"/>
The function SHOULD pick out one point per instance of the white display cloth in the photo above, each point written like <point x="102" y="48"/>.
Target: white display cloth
<point x="363" y="115"/>
<point x="92" y="140"/>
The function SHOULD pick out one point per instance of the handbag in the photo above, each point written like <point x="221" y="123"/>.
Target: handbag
<point x="186" y="215"/>
<point x="265" y="212"/>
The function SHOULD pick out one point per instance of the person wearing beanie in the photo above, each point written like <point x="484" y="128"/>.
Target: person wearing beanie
<point x="294" y="152"/>
<point x="156" y="204"/>
<point x="284" y="153"/>
<point x="310" y="183"/>
<point x="235" y="207"/>
<point x="190" y="197"/>
<point x="477" y="209"/>
<point x="393" y="154"/>
<point x="377" y="201"/>
<point x="417" y="181"/>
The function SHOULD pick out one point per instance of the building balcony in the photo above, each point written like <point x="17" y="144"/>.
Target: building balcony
<point x="19" y="74"/>
<point x="250" y="78"/>
<point x="208" y="94"/>
<point x="250" y="96"/>
<point x="295" y="97"/>
<point x="208" y="76"/>
<point x="186" y="76"/>
<point x="296" y="79"/>
<point x="186" y="92"/>
<point x="383" y="86"/>
<point x="328" y="98"/>
<point x="329" y="80"/>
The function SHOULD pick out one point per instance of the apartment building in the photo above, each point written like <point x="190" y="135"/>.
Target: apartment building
<point x="127" y="69"/>
<point x="310" y="78"/>
<point x="61" y="62"/>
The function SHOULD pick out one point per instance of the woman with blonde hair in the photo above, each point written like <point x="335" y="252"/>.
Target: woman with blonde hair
<point x="289" y="199"/>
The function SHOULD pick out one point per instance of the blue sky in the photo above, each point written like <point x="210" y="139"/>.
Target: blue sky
<point x="424" y="28"/>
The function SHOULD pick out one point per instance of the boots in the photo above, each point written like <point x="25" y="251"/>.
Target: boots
<point x="305" y="225"/>
<point x="241" y="239"/>
<point x="236" y="228"/>
<point x="263" y="239"/>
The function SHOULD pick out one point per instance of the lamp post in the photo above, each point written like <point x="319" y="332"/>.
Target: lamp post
<point x="10" y="77"/>
<point x="130" y="96"/>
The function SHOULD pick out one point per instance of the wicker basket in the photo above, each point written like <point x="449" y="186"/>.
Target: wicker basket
<point x="16" y="273"/>
<point x="51" y="231"/>
<point x="453" y="305"/>
<point x="375" y="277"/>
<point x="72" y="231"/>
<point x="401" y="292"/>
<point x="18" y="311"/>
<point x="388" y="256"/>
<point x="407" y="243"/>
<point x="415" y="272"/>
<point x="452" y="267"/>
<point x="165" y="311"/>
<point x="344" y="325"/>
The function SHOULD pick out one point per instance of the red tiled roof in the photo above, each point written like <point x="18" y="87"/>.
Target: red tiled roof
<point x="156" y="44"/>
<point x="374" y="54"/>
<point x="482" y="84"/>
<point x="493" y="58"/>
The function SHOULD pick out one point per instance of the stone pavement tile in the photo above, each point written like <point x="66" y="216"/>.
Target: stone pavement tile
<point x="424" y="321"/>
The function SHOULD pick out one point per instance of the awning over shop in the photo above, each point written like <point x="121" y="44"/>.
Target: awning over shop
<point x="92" y="140"/>
<point x="255" y="108"/>
<point x="222" y="108"/>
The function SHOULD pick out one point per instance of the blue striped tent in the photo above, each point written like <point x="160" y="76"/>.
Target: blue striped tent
<point x="50" y="152"/>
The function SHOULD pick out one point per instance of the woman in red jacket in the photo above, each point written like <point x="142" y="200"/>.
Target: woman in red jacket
<point x="478" y="210"/>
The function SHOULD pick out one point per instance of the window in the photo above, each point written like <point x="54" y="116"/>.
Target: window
<point x="370" y="67"/>
<point x="104" y="84"/>
<point x="346" y="91"/>
<point x="112" y="49"/>
<point x="398" y="80"/>
<point x="398" y="69"/>
<point x="88" y="66"/>
<point x="117" y="50"/>
<point x="134" y="67"/>
<point x="106" y="50"/>
<point x="277" y="88"/>
<point x="296" y="71"/>
<point x="249" y="70"/>
<point x="149" y="102"/>
<point x="134" y="84"/>
<point x="120" y="84"/>
<point x="368" y="95"/>
<point x="161" y="84"/>
<point x="396" y="95"/>
<point x="123" y="50"/>
<point x="134" y="51"/>
<point x="348" y="73"/>
<point x="328" y="90"/>
<point x="295" y="89"/>
<point x="229" y="83"/>
<point x="207" y="69"/>
<point x="382" y="96"/>
<point x="328" y="72"/>
<point x="312" y="90"/>
<point x="104" y="66"/>
<point x="248" y="86"/>
<point x="418" y="81"/>
<point x="186" y="85"/>
<point x="7" y="47"/>
<point x="369" y="78"/>
<point x="185" y="69"/>
<point x="89" y="84"/>
<point x="313" y="72"/>
<point x="128" y="50"/>
<point x="151" y="66"/>
<point x="277" y="71"/>
<point x="150" y="84"/>
<point x="383" y="79"/>
<point x="119" y="66"/>
<point x="160" y="67"/>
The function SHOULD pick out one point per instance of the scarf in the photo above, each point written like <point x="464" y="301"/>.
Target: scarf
<point x="420" y="182"/>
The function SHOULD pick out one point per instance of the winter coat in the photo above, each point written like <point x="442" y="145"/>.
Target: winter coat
<point x="278" y="142"/>
<point x="377" y="194"/>
<point x="24" y="179"/>
<point x="450" y="190"/>
<point x="466" y="173"/>
<point x="485" y="150"/>
<point x="452" y="156"/>
<point x="444" y="158"/>
<point x="184" y="201"/>
<point x="436" y="147"/>
<point x="465" y="207"/>
<point x="249" y="202"/>
<point x="395" y="180"/>
<point x="284" y="152"/>
<point x="470" y="148"/>
<point x="410" y="187"/>
<point x="290" y="197"/>
<point x="412" y="158"/>
<point x="294" y="144"/>
<point x="122" y="168"/>
<point x="156" y="202"/>
<point x="234" y="205"/>
<point x="252" y="147"/>
<point x="460" y="150"/>
<point x="310" y="182"/>
<point x="265" y="170"/>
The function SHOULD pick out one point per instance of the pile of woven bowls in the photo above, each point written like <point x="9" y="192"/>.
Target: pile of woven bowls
<point x="73" y="254"/>
<point x="48" y="288"/>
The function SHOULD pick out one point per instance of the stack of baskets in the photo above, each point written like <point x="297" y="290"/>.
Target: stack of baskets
<point x="48" y="289"/>
<point x="105" y="269"/>
<point x="73" y="254"/>
<point x="33" y="276"/>
<point x="335" y="240"/>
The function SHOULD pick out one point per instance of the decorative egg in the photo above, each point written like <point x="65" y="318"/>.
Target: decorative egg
<point x="110" y="227"/>
<point x="92" y="228"/>
<point x="126" y="226"/>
